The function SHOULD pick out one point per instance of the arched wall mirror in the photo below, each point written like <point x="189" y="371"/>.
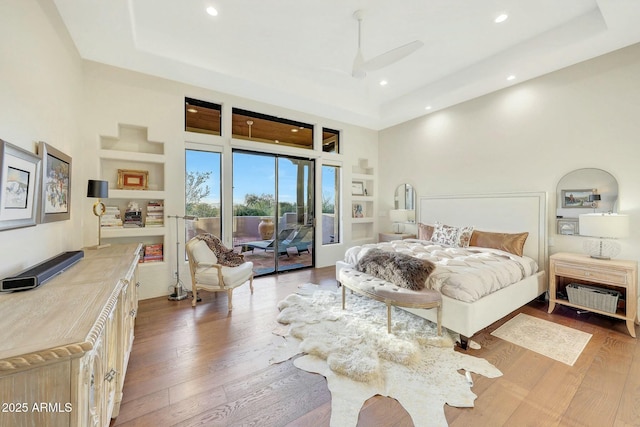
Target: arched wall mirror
<point x="584" y="191"/>
<point x="405" y="198"/>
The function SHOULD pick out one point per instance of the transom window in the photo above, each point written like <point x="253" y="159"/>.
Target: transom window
<point x="260" y="127"/>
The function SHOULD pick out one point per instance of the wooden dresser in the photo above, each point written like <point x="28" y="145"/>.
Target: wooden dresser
<point x="64" y="346"/>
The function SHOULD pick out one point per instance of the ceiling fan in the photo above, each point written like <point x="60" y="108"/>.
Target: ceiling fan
<point x="361" y="67"/>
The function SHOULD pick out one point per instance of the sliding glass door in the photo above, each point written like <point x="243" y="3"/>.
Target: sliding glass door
<point x="273" y="211"/>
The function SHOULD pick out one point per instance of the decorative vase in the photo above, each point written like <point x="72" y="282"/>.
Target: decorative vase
<point x="266" y="228"/>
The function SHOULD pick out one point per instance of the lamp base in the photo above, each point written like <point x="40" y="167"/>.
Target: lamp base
<point x="102" y="246"/>
<point x="179" y="293"/>
<point x="601" y="249"/>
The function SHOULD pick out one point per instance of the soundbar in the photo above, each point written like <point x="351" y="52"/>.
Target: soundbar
<point x="40" y="273"/>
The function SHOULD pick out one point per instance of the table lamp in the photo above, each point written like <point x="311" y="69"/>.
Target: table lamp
<point x="399" y="217"/>
<point x="100" y="190"/>
<point x="603" y="226"/>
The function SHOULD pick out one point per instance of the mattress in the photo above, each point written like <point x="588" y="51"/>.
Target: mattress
<point x="465" y="274"/>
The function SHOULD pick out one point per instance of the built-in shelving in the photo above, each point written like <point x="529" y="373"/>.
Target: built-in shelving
<point x="131" y="150"/>
<point x="363" y="211"/>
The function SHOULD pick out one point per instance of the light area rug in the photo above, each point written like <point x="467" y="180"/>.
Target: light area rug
<point x="353" y="350"/>
<point x="558" y="342"/>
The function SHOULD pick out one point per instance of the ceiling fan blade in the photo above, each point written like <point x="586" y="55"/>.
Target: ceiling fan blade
<point x="391" y="56"/>
<point x="357" y="71"/>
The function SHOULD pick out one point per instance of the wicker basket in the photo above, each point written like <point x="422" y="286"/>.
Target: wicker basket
<point x="593" y="297"/>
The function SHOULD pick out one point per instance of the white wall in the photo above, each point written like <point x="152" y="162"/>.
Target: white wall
<point x="40" y="96"/>
<point x="526" y="138"/>
<point x="114" y="96"/>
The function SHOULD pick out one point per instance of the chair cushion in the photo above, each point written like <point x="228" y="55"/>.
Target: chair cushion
<point x="232" y="276"/>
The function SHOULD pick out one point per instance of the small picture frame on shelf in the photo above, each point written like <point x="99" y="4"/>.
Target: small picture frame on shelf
<point x="55" y="188"/>
<point x="567" y="226"/>
<point x="357" y="188"/>
<point x="357" y="211"/>
<point x="133" y="179"/>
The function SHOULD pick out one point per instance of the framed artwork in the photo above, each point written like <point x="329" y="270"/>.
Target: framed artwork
<point x="357" y="188"/>
<point x="576" y="198"/>
<point x="567" y="226"/>
<point x="133" y="179"/>
<point x="55" y="193"/>
<point x="19" y="184"/>
<point x="357" y="211"/>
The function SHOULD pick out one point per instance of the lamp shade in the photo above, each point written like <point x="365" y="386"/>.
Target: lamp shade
<point x="99" y="189"/>
<point x="608" y="225"/>
<point x="399" y="215"/>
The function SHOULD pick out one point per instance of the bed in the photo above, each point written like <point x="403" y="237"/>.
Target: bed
<point x="505" y="213"/>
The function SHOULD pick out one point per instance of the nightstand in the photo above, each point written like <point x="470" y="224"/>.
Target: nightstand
<point x="388" y="237"/>
<point x="615" y="274"/>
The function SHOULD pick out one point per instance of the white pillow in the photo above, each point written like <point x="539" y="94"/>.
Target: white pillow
<point x="201" y="253"/>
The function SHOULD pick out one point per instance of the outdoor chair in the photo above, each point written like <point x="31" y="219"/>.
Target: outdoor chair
<point x="270" y="244"/>
<point x="300" y="240"/>
<point x="208" y="275"/>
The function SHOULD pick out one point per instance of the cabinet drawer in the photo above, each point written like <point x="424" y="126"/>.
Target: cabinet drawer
<point x="615" y="277"/>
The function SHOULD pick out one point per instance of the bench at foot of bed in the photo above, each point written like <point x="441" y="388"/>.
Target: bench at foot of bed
<point x="390" y="294"/>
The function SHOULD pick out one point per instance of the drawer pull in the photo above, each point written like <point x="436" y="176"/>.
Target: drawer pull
<point x="110" y="375"/>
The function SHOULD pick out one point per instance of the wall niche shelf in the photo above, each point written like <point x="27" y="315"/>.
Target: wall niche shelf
<point x="363" y="227"/>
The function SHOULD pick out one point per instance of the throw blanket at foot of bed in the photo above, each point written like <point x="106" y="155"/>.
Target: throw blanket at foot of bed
<point x="390" y="294"/>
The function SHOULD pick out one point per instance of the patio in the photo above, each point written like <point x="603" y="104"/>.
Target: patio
<point x="246" y="230"/>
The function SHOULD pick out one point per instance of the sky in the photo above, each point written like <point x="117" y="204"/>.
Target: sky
<point x="251" y="174"/>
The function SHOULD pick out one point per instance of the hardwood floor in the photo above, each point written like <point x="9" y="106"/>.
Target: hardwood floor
<point x="193" y="367"/>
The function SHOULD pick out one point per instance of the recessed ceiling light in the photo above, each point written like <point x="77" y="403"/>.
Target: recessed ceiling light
<point x="511" y="77"/>
<point x="428" y="107"/>
<point x="212" y="11"/>
<point x="383" y="82"/>
<point x="501" y="18"/>
<point x="192" y="110"/>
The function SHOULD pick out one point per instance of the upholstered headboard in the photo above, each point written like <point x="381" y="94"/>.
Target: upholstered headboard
<point x="502" y="212"/>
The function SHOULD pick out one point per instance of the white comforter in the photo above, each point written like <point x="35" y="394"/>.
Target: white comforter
<point x="466" y="274"/>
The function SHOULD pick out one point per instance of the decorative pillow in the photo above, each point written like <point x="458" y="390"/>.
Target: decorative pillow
<point x="397" y="268"/>
<point x="452" y="236"/>
<point x="512" y="243"/>
<point x="425" y="231"/>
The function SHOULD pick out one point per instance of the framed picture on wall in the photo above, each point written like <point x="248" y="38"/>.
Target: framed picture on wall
<point x="55" y="192"/>
<point x="576" y="198"/>
<point x="19" y="184"/>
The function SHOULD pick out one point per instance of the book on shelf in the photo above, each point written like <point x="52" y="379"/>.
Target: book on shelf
<point x="153" y="252"/>
<point x="111" y="217"/>
<point x="132" y="219"/>
<point x="155" y="214"/>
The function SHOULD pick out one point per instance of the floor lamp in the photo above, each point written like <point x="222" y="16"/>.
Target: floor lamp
<point x="177" y="288"/>
<point x="100" y="190"/>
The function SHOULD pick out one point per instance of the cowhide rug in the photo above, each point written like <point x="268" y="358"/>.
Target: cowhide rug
<point x="352" y="349"/>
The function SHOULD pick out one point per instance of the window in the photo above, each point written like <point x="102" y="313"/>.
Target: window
<point x="259" y="127"/>
<point x="330" y="204"/>
<point x="330" y="140"/>
<point x="202" y="116"/>
<point x="203" y="192"/>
